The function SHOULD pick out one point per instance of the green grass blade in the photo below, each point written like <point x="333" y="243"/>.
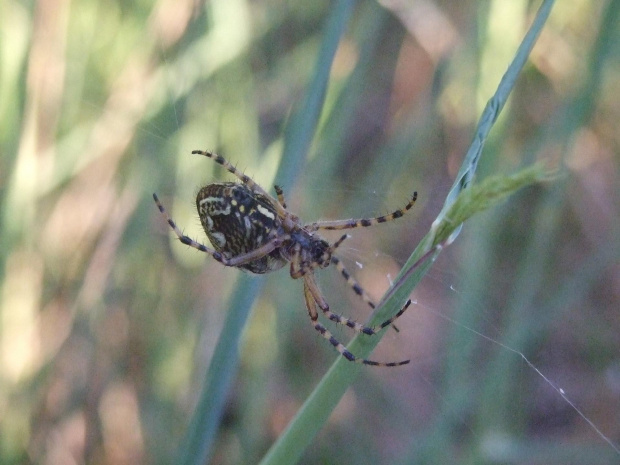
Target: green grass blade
<point x="303" y="123"/>
<point x="495" y="105"/>
<point x="321" y="402"/>
<point x="205" y="422"/>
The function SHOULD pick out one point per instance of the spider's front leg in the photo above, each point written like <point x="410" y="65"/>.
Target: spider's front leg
<point x="315" y="299"/>
<point x="353" y="284"/>
<point x="364" y="222"/>
<point x="358" y="327"/>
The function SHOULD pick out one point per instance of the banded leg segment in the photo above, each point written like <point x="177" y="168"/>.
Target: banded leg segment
<point x="352" y="282"/>
<point x="312" y="287"/>
<point x="235" y="261"/>
<point x="311" y="305"/>
<point x="280" y="194"/>
<point x="365" y="222"/>
<point x="248" y="181"/>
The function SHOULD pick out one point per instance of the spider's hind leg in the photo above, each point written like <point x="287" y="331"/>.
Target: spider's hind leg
<point x="248" y="181"/>
<point x="234" y="261"/>
<point x="220" y="160"/>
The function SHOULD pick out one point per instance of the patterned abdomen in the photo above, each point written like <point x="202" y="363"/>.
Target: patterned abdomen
<point x="237" y="221"/>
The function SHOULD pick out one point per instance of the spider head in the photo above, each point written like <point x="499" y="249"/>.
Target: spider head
<point x="312" y="251"/>
<point x="320" y="252"/>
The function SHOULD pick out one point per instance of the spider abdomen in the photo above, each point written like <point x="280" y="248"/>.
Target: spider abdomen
<point x="237" y="221"/>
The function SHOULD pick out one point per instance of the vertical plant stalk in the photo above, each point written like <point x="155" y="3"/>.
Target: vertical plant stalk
<point x="316" y="410"/>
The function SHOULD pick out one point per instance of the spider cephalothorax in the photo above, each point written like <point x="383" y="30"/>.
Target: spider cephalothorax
<point x="251" y="230"/>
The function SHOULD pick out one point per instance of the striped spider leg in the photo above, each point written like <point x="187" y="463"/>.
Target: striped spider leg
<point x="365" y="222"/>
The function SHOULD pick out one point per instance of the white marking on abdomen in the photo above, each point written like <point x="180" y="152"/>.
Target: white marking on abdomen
<point x="248" y="226"/>
<point x="211" y="206"/>
<point x="219" y="238"/>
<point x="265" y="212"/>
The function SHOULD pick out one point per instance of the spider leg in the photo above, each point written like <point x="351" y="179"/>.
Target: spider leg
<point x="311" y="305"/>
<point x="312" y="286"/>
<point x="234" y="261"/>
<point x="354" y="223"/>
<point x="352" y="282"/>
<point x="350" y="279"/>
<point x="336" y="244"/>
<point x="248" y="181"/>
<point x="280" y="194"/>
<point x="296" y="269"/>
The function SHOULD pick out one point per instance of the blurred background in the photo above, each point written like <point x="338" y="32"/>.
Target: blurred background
<point x="108" y="323"/>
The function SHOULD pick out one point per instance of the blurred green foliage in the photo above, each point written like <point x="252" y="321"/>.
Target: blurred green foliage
<point x="108" y="325"/>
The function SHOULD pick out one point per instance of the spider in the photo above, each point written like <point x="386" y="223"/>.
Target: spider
<point x="252" y="230"/>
